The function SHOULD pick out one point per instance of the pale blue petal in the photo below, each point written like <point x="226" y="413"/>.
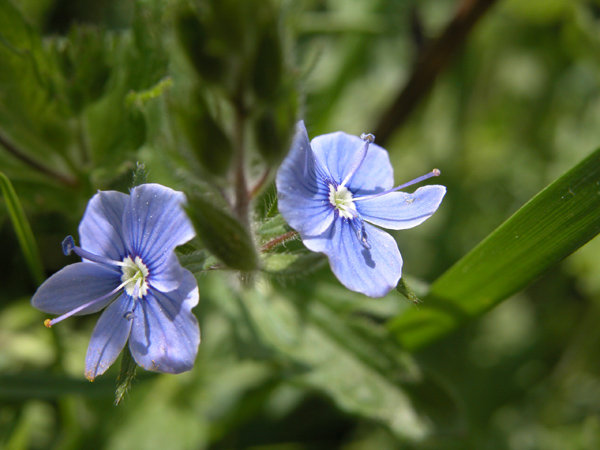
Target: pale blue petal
<point x="169" y="276"/>
<point x="373" y="272"/>
<point x="303" y="188"/>
<point x="165" y="334"/>
<point x="75" y="285"/>
<point x="337" y="151"/>
<point x="109" y="337"/>
<point x="154" y="223"/>
<point x="101" y="229"/>
<point x="400" y="210"/>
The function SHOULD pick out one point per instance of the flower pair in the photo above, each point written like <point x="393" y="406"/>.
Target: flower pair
<point x="334" y="189"/>
<point x="130" y="268"/>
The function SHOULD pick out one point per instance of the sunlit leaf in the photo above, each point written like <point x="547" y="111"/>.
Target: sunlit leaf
<point x="22" y="229"/>
<point x="552" y="225"/>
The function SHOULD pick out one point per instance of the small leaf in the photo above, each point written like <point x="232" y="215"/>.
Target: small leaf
<point x="272" y="228"/>
<point x="22" y="229"/>
<point x="126" y="375"/>
<point x="222" y="234"/>
<point x="552" y="225"/>
<point x="405" y="290"/>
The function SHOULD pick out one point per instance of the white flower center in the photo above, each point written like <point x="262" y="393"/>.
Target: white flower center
<point x="134" y="276"/>
<point x="342" y="200"/>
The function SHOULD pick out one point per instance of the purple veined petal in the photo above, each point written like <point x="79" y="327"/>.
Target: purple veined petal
<point x="154" y="223"/>
<point x="75" y="285"/>
<point x="165" y="333"/>
<point x="373" y="272"/>
<point x="109" y="337"/>
<point x="303" y="188"/>
<point x="337" y="151"/>
<point x="167" y="277"/>
<point x="101" y="229"/>
<point x="401" y="210"/>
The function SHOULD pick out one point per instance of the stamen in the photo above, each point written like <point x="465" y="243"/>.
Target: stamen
<point x="54" y="321"/>
<point x="433" y="173"/>
<point x="361" y="233"/>
<point x="360" y="157"/>
<point x="68" y="246"/>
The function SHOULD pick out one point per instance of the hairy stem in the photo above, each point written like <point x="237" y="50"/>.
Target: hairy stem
<point x="278" y="240"/>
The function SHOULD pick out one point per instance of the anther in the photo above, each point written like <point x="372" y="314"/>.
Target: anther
<point x="370" y="138"/>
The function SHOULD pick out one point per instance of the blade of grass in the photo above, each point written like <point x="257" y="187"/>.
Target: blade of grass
<point x="552" y="225"/>
<point x="22" y="229"/>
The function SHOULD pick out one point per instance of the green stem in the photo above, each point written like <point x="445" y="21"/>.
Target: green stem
<point x="20" y="155"/>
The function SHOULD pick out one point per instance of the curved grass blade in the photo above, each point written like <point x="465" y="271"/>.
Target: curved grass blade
<point x="22" y="229"/>
<point x="552" y="225"/>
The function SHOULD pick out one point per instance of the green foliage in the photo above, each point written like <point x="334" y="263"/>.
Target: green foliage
<point x="22" y="229"/>
<point x="555" y="223"/>
<point x="222" y="234"/>
<point x="206" y="93"/>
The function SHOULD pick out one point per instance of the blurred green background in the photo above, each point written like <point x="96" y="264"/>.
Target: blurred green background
<point x="87" y="88"/>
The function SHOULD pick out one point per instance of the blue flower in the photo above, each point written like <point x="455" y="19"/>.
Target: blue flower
<point x="332" y="189"/>
<point x="130" y="268"/>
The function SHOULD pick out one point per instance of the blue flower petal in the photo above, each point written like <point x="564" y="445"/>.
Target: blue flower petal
<point x="101" y="229"/>
<point x="75" y="285"/>
<point x="154" y="223"/>
<point x="165" y="334"/>
<point x="109" y="337"/>
<point x="337" y="151"/>
<point x="400" y="210"/>
<point x="374" y="271"/>
<point x="303" y="188"/>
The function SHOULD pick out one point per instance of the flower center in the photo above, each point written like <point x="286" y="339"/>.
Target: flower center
<point x="341" y="199"/>
<point x="134" y="277"/>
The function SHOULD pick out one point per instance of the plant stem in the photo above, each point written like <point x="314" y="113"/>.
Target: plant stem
<point x="260" y="183"/>
<point x="242" y="198"/>
<point x="433" y="59"/>
<point x="20" y="155"/>
<point x="278" y="240"/>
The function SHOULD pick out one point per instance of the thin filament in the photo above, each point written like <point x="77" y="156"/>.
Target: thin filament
<point x="54" y="321"/>
<point x="433" y="173"/>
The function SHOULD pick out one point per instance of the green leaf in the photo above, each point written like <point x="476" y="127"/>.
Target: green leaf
<point x="552" y="225"/>
<point x="22" y="229"/>
<point x="296" y="263"/>
<point x="350" y="359"/>
<point x="272" y="228"/>
<point x="126" y="375"/>
<point x="222" y="234"/>
<point x="52" y="387"/>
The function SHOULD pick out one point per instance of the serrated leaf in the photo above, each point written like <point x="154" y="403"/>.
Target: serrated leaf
<point x="22" y="229"/>
<point x="552" y="225"/>
<point x="272" y="228"/>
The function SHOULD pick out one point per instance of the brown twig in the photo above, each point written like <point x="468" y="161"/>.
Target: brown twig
<point x="278" y="240"/>
<point x="260" y="183"/>
<point x="17" y="153"/>
<point x="435" y="57"/>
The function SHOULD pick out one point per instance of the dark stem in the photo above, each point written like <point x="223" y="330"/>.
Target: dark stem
<point x="434" y="58"/>
<point x="242" y="198"/>
<point x="278" y="240"/>
<point x="259" y="185"/>
<point x="17" y="153"/>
